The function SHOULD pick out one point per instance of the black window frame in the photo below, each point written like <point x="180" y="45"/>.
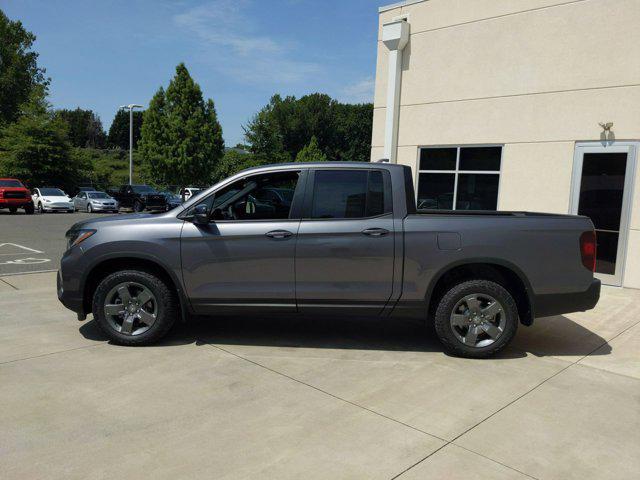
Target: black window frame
<point x="457" y="172"/>
<point x="387" y="189"/>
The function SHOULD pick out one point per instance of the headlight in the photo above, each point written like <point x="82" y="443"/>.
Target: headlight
<point x="76" y="237"/>
<point x="47" y="201"/>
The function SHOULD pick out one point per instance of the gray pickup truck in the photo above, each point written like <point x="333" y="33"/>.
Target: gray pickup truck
<point x="329" y="239"/>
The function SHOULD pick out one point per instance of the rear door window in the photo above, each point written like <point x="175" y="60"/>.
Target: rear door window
<point x="340" y="194"/>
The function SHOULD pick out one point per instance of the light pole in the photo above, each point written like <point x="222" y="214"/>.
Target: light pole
<point x="131" y="106"/>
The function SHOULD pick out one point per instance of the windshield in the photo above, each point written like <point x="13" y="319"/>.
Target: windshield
<point x="98" y="195"/>
<point x="143" y="189"/>
<point x="10" y="183"/>
<point x="52" y="192"/>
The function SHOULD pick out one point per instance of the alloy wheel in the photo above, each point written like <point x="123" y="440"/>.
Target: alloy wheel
<point x="130" y="308"/>
<point x="478" y="320"/>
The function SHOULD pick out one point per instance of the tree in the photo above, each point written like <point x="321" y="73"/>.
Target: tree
<point x="311" y="152"/>
<point x="285" y="126"/>
<point x="235" y="161"/>
<point x="181" y="142"/>
<point x="20" y="75"/>
<point x="119" y="130"/>
<point x="84" y="127"/>
<point x="36" y="150"/>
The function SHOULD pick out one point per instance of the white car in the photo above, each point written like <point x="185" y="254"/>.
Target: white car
<point x="48" y="199"/>
<point x="189" y="192"/>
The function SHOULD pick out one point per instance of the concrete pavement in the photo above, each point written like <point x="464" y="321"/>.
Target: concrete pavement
<point x="251" y="398"/>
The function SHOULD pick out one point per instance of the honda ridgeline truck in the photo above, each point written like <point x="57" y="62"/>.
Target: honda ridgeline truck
<point x="329" y="239"/>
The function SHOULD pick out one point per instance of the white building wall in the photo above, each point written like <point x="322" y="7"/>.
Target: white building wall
<point x="534" y="75"/>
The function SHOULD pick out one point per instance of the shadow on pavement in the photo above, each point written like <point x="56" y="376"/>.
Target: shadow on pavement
<point x="557" y="336"/>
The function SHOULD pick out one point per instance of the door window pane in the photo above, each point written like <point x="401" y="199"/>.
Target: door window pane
<point x="477" y="192"/>
<point x="260" y="197"/>
<point x="435" y="191"/>
<point x="376" y="197"/>
<point x="438" y="158"/>
<point x="602" y="187"/>
<point x="339" y="194"/>
<point x="480" y="158"/>
<point x="606" y="252"/>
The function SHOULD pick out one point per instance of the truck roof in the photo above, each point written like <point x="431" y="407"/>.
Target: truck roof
<point x="305" y="165"/>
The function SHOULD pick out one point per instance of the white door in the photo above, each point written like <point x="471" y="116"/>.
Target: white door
<point x="602" y="188"/>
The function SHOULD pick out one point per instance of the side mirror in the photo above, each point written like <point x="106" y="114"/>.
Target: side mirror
<point x="201" y="214"/>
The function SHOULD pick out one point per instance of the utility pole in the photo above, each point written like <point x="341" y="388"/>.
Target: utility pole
<point x="131" y="106"/>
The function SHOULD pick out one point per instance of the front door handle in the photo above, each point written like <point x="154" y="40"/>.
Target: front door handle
<point x="375" y="232"/>
<point x="279" y="234"/>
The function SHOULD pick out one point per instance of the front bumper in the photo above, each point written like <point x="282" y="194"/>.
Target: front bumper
<point x="15" y="202"/>
<point x="104" y="208"/>
<point x="557" y="304"/>
<point x="70" y="298"/>
<point x="52" y="207"/>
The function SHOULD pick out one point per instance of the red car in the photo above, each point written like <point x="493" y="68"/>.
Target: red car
<point x="14" y="195"/>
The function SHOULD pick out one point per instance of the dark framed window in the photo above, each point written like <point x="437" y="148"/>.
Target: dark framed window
<point x="267" y="196"/>
<point x="339" y="194"/>
<point x="459" y="178"/>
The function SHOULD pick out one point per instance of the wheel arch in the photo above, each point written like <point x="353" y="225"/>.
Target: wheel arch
<point x="109" y="265"/>
<point x="500" y="271"/>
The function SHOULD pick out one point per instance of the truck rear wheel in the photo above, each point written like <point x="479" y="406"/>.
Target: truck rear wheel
<point x="476" y="319"/>
<point x="134" y="307"/>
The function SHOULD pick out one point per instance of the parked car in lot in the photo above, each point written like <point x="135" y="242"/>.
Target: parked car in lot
<point x="351" y="242"/>
<point x="95" y="202"/>
<point x="173" y="200"/>
<point x="14" y="195"/>
<point x="140" y="197"/>
<point x="51" y="199"/>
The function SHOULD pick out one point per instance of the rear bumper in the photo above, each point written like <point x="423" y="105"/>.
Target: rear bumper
<point x="557" y="304"/>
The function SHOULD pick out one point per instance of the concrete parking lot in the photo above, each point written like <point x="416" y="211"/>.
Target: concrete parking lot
<point x="338" y="398"/>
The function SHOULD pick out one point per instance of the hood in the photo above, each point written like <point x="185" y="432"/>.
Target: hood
<point x="101" y="222"/>
<point x="56" y="198"/>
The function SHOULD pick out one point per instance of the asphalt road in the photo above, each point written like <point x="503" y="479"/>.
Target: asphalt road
<point x="30" y="243"/>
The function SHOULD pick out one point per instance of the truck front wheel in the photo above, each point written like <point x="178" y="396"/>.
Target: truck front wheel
<point x="134" y="307"/>
<point x="137" y="206"/>
<point x="476" y="319"/>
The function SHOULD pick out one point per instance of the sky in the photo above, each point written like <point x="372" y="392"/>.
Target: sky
<point x="103" y="54"/>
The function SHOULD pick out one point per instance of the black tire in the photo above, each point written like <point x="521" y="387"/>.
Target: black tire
<point x="166" y="300"/>
<point x="40" y="209"/>
<point x="451" y="299"/>
<point x="137" y="206"/>
<point x="29" y="209"/>
<point x="13" y="209"/>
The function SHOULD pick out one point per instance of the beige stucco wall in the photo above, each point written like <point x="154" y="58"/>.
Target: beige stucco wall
<point x="534" y="75"/>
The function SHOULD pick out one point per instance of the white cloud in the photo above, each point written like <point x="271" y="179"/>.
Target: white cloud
<point x="359" y="92"/>
<point x="227" y="34"/>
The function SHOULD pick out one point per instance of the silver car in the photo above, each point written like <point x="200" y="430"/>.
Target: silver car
<point x="95" y="202"/>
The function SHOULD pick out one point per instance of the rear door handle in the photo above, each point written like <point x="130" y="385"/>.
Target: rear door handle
<point x="279" y="234"/>
<point x="375" y="232"/>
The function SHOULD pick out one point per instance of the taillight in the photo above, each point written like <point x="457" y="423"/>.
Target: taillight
<point x="588" y="250"/>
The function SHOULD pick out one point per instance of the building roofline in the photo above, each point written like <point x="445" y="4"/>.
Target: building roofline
<point x="404" y="3"/>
